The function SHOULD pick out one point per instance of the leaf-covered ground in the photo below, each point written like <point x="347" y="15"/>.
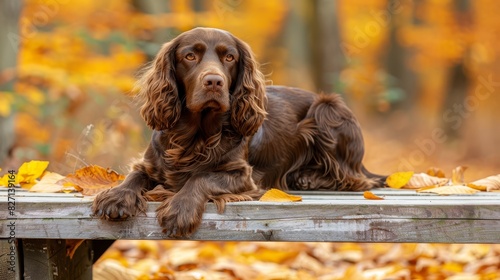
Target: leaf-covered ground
<point x="285" y="260"/>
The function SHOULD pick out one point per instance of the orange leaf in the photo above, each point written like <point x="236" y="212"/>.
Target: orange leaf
<point x="422" y="189"/>
<point x="436" y="172"/>
<point x="399" y="179"/>
<point x="370" y="195"/>
<point x="4" y="181"/>
<point x="92" y="179"/>
<point x="275" y="195"/>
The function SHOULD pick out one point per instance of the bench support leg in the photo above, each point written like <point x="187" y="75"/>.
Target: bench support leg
<point x="46" y="259"/>
<point x="9" y="259"/>
<point x="99" y="247"/>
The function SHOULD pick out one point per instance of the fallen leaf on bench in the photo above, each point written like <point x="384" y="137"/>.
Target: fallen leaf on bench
<point x="4" y="181"/>
<point x="446" y="190"/>
<point x="399" y="179"/>
<point x="92" y="179"/>
<point x="29" y="172"/>
<point x="457" y="175"/>
<point x="410" y="180"/>
<point x="275" y="195"/>
<point x="370" y="195"/>
<point x="488" y="184"/>
<point x="48" y="183"/>
<point x="421" y="180"/>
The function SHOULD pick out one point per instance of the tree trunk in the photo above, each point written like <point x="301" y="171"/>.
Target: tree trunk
<point x="10" y="11"/>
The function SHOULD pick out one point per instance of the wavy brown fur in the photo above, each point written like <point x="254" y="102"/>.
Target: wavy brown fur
<point x="220" y="135"/>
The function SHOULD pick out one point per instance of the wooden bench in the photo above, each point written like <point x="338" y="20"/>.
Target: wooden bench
<point x="44" y="222"/>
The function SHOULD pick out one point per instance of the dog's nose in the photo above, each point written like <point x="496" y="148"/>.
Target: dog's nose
<point x="213" y="82"/>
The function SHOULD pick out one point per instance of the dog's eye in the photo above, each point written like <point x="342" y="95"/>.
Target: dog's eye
<point x="190" y="56"/>
<point x="229" y="57"/>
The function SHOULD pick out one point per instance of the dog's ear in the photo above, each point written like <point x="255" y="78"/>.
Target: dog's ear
<point x="157" y="90"/>
<point x="248" y="100"/>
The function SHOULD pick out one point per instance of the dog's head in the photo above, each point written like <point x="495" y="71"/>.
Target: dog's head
<point x="204" y="69"/>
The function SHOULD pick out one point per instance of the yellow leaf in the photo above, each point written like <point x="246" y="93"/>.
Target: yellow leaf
<point x="488" y="184"/>
<point x="446" y="190"/>
<point x="452" y="267"/>
<point x="275" y="195"/>
<point x="399" y="179"/>
<point x="370" y="195"/>
<point x="274" y="256"/>
<point x="148" y="246"/>
<point x="30" y="171"/>
<point x="4" y="180"/>
<point x="48" y="183"/>
<point x="92" y="179"/>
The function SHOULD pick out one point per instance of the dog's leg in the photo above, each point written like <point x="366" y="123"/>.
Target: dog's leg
<point x="123" y="201"/>
<point x="181" y="214"/>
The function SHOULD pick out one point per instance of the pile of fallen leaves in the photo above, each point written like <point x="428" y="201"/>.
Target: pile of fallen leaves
<point x="435" y="181"/>
<point x="285" y="260"/>
<point x="88" y="180"/>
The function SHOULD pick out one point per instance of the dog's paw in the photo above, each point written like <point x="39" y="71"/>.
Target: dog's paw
<point x="179" y="219"/>
<point x="118" y="203"/>
<point x="307" y="180"/>
<point x="303" y="183"/>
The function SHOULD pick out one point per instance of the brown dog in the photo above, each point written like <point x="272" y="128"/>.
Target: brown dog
<point x="221" y="135"/>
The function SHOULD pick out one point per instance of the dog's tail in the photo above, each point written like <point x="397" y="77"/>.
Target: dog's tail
<point x="379" y="179"/>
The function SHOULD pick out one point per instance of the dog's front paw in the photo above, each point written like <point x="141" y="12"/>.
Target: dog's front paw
<point x="179" y="219"/>
<point x="118" y="203"/>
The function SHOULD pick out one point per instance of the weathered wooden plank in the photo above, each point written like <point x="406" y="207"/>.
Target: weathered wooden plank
<point x="346" y="209"/>
<point x="356" y="230"/>
<point x="30" y="207"/>
<point x="401" y="218"/>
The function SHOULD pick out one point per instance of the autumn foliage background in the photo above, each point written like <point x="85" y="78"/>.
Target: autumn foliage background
<point x="422" y="76"/>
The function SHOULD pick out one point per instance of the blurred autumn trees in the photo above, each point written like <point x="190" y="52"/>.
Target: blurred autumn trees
<point x="421" y="75"/>
<point x="9" y="12"/>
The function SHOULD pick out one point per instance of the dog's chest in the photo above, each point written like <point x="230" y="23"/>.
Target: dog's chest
<point x="200" y="153"/>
